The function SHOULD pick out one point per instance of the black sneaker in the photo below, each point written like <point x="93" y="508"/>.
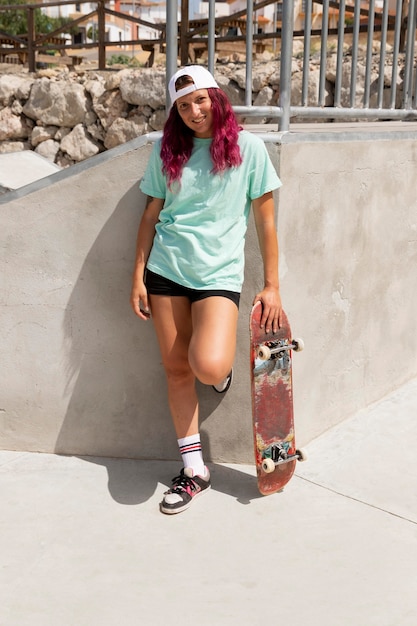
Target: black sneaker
<point x="185" y="488"/>
<point x="224" y="385"/>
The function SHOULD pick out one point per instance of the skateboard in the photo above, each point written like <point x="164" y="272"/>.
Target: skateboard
<point x="272" y="403"/>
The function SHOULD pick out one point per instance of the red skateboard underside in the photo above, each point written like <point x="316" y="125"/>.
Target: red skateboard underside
<point x="272" y="404"/>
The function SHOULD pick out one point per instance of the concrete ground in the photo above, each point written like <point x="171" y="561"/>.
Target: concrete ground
<point x="18" y="169"/>
<point x="82" y="541"/>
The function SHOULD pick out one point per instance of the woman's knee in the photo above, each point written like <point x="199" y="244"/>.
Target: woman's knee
<point x="178" y="371"/>
<point x="210" y="369"/>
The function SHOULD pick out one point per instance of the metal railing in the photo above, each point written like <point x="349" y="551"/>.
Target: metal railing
<point x="358" y="21"/>
<point x="377" y="23"/>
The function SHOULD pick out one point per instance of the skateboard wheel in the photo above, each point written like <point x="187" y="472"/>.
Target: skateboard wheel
<point x="264" y="353"/>
<point x="268" y="466"/>
<point x="298" y="345"/>
<point x="302" y="454"/>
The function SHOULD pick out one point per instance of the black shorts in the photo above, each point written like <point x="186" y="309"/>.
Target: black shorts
<point x="160" y="286"/>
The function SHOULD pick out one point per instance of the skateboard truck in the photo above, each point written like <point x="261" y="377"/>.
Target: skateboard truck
<point x="278" y="454"/>
<point x="274" y="349"/>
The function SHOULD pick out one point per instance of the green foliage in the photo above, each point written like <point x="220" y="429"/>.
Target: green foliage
<point x="134" y="62"/>
<point x="14" y="22"/>
<point x="92" y="33"/>
<point x="123" y="59"/>
<point x="118" y="59"/>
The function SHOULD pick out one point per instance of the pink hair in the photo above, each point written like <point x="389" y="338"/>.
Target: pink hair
<point x="178" y="139"/>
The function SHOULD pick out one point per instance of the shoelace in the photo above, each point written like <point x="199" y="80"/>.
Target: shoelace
<point x="180" y="483"/>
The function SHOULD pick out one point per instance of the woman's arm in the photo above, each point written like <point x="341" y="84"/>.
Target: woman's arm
<point x="146" y="233"/>
<point x="264" y="214"/>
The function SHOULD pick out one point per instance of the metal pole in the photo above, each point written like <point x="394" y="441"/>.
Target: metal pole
<point x="413" y="76"/>
<point x="249" y="47"/>
<point x="409" y="57"/>
<point x="286" y="61"/>
<point x="355" y="44"/>
<point x="382" y="52"/>
<point x="368" y="72"/>
<point x="172" y="45"/>
<point x="339" y="61"/>
<point x="323" y="52"/>
<point x="211" y="35"/>
<point x="306" y="58"/>
<point x="397" y="36"/>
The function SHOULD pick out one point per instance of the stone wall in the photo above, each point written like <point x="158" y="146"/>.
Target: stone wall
<point x="68" y="117"/>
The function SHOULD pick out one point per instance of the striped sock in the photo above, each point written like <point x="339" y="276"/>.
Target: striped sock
<point x="192" y="456"/>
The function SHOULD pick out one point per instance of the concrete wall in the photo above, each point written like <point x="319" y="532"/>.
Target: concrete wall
<point x="79" y="374"/>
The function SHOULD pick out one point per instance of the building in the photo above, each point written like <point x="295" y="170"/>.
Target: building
<point x="268" y="19"/>
<point x="152" y="12"/>
<point x="117" y="29"/>
<point x="200" y="10"/>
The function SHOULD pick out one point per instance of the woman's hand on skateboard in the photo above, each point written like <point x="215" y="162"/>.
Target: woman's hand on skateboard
<point x="271" y="309"/>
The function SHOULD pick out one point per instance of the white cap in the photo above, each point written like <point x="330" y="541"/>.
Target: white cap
<point x="201" y="77"/>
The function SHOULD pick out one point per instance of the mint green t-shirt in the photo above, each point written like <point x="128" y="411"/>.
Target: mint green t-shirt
<point x="200" y="237"/>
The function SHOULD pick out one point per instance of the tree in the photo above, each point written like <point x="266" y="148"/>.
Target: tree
<point x="15" y="22"/>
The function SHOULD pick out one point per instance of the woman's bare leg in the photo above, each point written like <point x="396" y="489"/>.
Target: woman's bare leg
<point x="213" y="342"/>
<point x="196" y="339"/>
<point x="173" y="325"/>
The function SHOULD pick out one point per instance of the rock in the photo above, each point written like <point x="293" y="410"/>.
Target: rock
<point x="264" y="98"/>
<point x="95" y="88"/>
<point x="96" y="131"/>
<point x="312" y="92"/>
<point x="48" y="73"/>
<point x="16" y="107"/>
<point x="345" y="92"/>
<point x="265" y="56"/>
<point x="70" y="116"/>
<point x="274" y="79"/>
<point x="14" y="87"/>
<point x="239" y="77"/>
<point x="42" y="133"/>
<point x="298" y="48"/>
<point x="235" y="94"/>
<point x="48" y="149"/>
<point x="13" y="146"/>
<point x="112" y="82"/>
<point x="110" y="106"/>
<point x="157" y="119"/>
<point x="63" y="160"/>
<point x="61" y="133"/>
<point x="13" y="126"/>
<point x="143" y="87"/>
<point x="79" y="145"/>
<point x="123" y="130"/>
<point x="90" y="117"/>
<point x="261" y="78"/>
<point x="57" y="103"/>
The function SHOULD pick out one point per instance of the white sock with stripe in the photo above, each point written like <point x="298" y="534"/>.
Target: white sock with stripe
<point x="192" y="456"/>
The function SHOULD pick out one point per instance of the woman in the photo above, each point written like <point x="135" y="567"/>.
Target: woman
<point x="201" y="180"/>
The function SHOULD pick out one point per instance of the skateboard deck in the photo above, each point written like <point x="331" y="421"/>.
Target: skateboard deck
<point x="272" y="403"/>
